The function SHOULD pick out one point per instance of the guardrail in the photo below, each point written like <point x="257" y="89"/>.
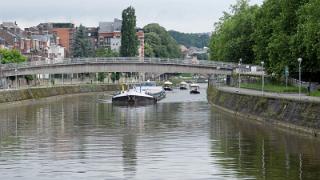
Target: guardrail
<point x="216" y="64"/>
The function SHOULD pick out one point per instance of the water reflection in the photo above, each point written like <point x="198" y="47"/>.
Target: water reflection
<point x="78" y="138"/>
<point x="261" y="152"/>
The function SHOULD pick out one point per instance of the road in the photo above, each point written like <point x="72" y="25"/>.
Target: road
<point x="269" y="94"/>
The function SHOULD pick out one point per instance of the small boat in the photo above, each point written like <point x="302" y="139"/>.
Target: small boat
<point x="183" y="86"/>
<point x="167" y="86"/>
<point x="133" y="98"/>
<point x="194" y="89"/>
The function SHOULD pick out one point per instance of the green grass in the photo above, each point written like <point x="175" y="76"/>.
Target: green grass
<point x="316" y="93"/>
<point x="279" y="88"/>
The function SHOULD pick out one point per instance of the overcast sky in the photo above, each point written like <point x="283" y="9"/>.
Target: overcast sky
<point x="181" y="15"/>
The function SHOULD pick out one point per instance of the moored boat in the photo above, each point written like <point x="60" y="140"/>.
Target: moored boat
<point x="194" y="89"/>
<point x="167" y="86"/>
<point x="183" y="86"/>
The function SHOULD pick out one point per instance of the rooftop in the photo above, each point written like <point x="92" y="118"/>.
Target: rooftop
<point x="106" y="27"/>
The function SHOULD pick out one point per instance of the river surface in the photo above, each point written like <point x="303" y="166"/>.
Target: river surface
<point x="182" y="137"/>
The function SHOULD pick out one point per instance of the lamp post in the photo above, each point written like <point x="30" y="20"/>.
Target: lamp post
<point x="300" y="60"/>
<point x="262" y="88"/>
<point x="16" y="71"/>
<point x="240" y="61"/>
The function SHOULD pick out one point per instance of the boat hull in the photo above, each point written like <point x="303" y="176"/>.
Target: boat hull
<point x="183" y="88"/>
<point x="167" y="89"/>
<point x="194" y="92"/>
<point x="133" y="101"/>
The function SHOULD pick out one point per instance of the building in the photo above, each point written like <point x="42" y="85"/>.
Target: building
<point x="109" y="36"/>
<point x="56" y="53"/>
<point x="65" y="32"/>
<point x="93" y="36"/>
<point x="2" y="43"/>
<point x="140" y="35"/>
<point x="37" y="43"/>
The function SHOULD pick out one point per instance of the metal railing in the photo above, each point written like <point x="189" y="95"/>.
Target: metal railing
<point x="136" y="60"/>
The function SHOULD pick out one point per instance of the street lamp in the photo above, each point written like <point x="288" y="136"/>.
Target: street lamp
<point x="240" y="61"/>
<point x="262" y="89"/>
<point x="16" y="71"/>
<point x="300" y="60"/>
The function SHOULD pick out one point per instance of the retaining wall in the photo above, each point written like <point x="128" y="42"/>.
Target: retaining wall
<point x="37" y="93"/>
<point x="294" y="114"/>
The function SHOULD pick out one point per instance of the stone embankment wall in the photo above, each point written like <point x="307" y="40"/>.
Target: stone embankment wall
<point x="43" y="92"/>
<point x="288" y="113"/>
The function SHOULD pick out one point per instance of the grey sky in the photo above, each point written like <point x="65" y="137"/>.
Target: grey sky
<point x="181" y="15"/>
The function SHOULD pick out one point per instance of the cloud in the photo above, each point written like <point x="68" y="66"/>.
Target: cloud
<point x="182" y="15"/>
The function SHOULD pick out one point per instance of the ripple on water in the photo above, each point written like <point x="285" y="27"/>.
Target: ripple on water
<point x="181" y="137"/>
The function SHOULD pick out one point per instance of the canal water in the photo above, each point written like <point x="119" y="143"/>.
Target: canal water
<point x="182" y="137"/>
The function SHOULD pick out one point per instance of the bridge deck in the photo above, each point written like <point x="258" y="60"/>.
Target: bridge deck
<point x="117" y="64"/>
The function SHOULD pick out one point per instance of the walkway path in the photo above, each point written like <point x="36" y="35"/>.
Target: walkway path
<point x="269" y="94"/>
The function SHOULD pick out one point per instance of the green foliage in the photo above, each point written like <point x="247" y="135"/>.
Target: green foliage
<point x="81" y="45"/>
<point x="203" y="56"/>
<point x="198" y="40"/>
<point x="106" y="52"/>
<point x="115" y="76"/>
<point x="232" y="39"/>
<point x="272" y="87"/>
<point x="101" y="76"/>
<point x="159" y="43"/>
<point x="315" y="93"/>
<point x="129" y="40"/>
<point x="278" y="33"/>
<point x="307" y="38"/>
<point x="11" y="56"/>
<point x="29" y="78"/>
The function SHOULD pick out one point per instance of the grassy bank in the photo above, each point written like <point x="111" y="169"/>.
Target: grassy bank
<point x="279" y="88"/>
<point x="316" y="93"/>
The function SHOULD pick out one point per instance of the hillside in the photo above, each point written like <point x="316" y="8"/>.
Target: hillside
<point x="198" y="40"/>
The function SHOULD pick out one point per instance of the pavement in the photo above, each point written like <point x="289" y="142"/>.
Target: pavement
<point x="291" y="96"/>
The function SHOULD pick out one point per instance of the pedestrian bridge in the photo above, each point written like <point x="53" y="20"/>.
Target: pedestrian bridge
<point x="116" y="64"/>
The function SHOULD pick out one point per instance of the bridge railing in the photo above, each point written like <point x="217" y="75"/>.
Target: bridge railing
<point x="70" y="61"/>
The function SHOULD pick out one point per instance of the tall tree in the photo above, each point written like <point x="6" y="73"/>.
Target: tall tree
<point x="307" y="40"/>
<point x="159" y="43"/>
<point x="232" y="38"/>
<point x="81" y="46"/>
<point x="129" y="40"/>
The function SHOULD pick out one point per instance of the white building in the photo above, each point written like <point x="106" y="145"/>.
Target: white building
<point x="56" y="52"/>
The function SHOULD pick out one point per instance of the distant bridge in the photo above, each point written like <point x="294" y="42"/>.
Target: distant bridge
<point x="117" y="64"/>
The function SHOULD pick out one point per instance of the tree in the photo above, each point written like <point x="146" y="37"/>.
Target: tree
<point x="14" y="56"/>
<point x="105" y="52"/>
<point x="232" y="38"/>
<point x="307" y="39"/>
<point x="81" y="45"/>
<point x="11" y="56"/>
<point x="159" y="43"/>
<point x="198" y="40"/>
<point x="278" y="32"/>
<point x="101" y="76"/>
<point x="115" y="76"/>
<point x="129" y="40"/>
